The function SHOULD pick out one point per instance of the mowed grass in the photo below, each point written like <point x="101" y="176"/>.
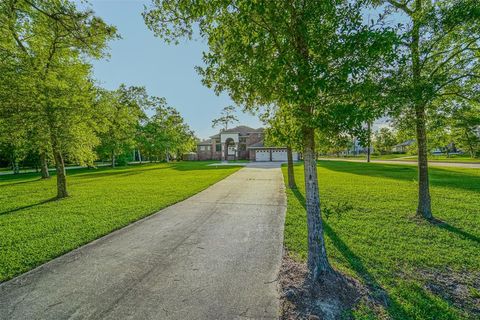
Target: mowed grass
<point x="34" y="228"/>
<point x="452" y="158"/>
<point x="373" y="156"/>
<point x="422" y="270"/>
<point x="406" y="157"/>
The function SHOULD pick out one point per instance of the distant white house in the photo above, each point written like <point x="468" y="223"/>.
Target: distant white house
<point x="402" y="147"/>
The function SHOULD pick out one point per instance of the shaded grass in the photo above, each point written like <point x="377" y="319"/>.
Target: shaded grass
<point x="34" y="228"/>
<point x="380" y="242"/>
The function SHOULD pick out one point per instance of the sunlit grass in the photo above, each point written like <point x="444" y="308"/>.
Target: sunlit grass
<point x="380" y="242"/>
<point x="34" y="228"/>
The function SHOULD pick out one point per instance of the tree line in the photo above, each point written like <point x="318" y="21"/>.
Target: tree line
<point x="322" y="69"/>
<point x="51" y="109"/>
<point x="454" y="134"/>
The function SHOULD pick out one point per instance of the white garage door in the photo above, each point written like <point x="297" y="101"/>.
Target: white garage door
<point x="279" y="155"/>
<point x="262" y="155"/>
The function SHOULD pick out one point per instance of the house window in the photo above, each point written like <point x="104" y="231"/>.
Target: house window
<point x="202" y="148"/>
<point x="208" y="148"/>
<point x="218" y="147"/>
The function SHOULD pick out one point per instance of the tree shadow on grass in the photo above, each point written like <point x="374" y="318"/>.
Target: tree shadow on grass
<point x="92" y="173"/>
<point x="379" y="294"/>
<point x="27" y="207"/>
<point x="438" y="177"/>
<point x="463" y="234"/>
<point x="142" y="168"/>
<point x="19" y="182"/>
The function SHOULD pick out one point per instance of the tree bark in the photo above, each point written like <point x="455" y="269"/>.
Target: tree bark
<point x="15" y="167"/>
<point x="44" y="165"/>
<point x="318" y="264"/>
<point x="61" y="175"/>
<point x="113" y="159"/>
<point x="424" y="208"/>
<point x="291" y="175"/>
<point x="470" y="146"/>
<point x="369" y="140"/>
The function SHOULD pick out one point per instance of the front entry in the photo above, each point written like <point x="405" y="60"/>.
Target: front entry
<point x="230" y="150"/>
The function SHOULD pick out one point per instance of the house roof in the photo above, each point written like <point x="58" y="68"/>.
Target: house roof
<point x="405" y="143"/>
<point x="257" y="145"/>
<point x="242" y="130"/>
<point x="261" y="145"/>
<point x="205" y="142"/>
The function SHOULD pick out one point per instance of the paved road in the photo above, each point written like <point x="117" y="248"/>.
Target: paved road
<point x="472" y="165"/>
<point x="213" y="256"/>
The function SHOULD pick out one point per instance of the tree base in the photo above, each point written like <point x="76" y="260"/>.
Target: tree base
<point x="326" y="299"/>
<point x="61" y="196"/>
<point x="427" y="215"/>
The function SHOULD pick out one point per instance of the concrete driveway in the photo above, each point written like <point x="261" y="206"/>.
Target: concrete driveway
<point x="215" y="255"/>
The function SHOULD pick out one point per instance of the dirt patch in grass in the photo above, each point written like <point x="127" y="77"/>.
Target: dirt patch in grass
<point x="331" y="299"/>
<point x="462" y="289"/>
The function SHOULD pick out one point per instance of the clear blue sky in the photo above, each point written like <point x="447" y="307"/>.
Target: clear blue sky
<point x="165" y="70"/>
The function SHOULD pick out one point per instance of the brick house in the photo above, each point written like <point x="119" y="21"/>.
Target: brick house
<point x="240" y="143"/>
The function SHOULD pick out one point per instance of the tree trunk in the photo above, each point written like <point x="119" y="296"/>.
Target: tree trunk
<point x="291" y="175"/>
<point x="15" y="167"/>
<point x="470" y="146"/>
<point x="113" y="159"/>
<point x="61" y="175"/>
<point x="369" y="140"/>
<point x="44" y="165"/>
<point x="139" y="156"/>
<point x="318" y="264"/>
<point x="424" y="208"/>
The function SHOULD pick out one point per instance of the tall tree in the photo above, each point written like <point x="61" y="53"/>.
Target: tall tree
<point x="123" y="109"/>
<point x="165" y="133"/>
<point x="282" y="130"/>
<point x="384" y="140"/>
<point x="439" y="58"/>
<point x="309" y="55"/>
<point x="465" y="127"/>
<point x="227" y="116"/>
<point x="15" y="96"/>
<point x="55" y="39"/>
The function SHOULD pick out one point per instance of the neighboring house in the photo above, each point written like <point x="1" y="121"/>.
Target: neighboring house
<point x="402" y="147"/>
<point x="240" y="143"/>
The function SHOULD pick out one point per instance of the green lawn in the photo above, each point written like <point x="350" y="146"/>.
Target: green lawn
<point x="424" y="271"/>
<point x="373" y="157"/>
<point x="405" y="157"/>
<point x="444" y="158"/>
<point x="35" y="229"/>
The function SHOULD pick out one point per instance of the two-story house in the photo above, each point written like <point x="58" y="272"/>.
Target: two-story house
<point x="240" y="143"/>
